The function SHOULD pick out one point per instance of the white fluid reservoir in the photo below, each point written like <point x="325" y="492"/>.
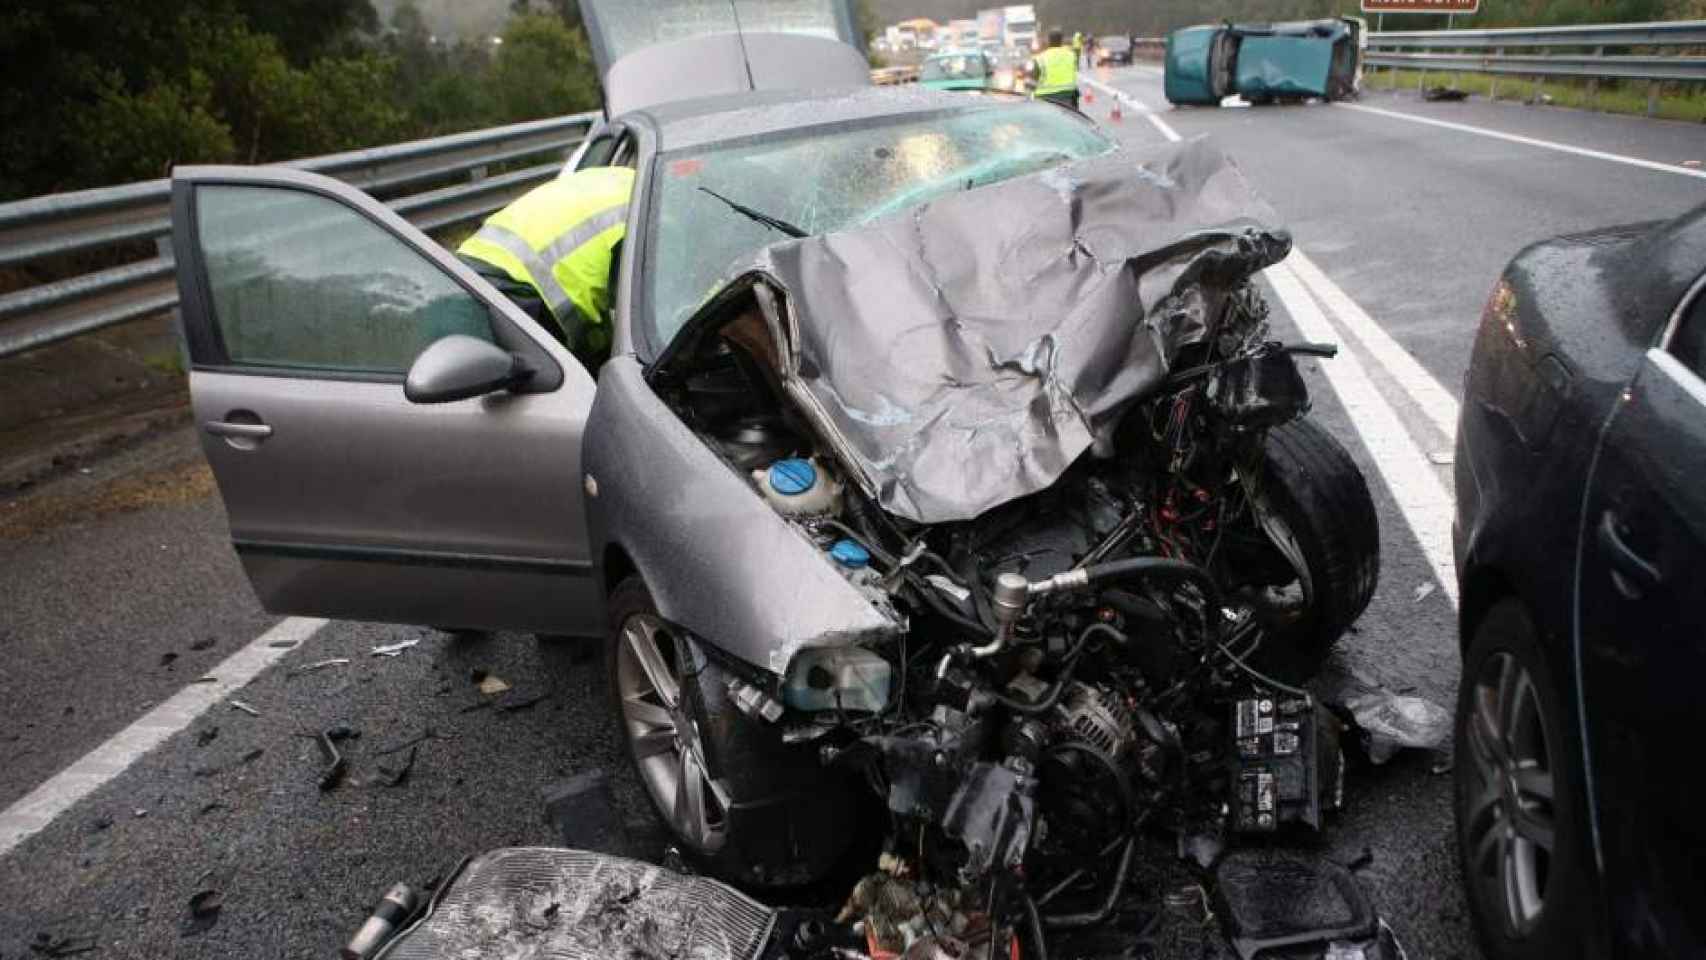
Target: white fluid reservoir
<point x="799" y="487"/>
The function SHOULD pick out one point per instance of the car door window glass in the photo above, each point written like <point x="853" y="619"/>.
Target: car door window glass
<point x="1689" y="343"/>
<point x="597" y="153"/>
<point x="302" y="281"/>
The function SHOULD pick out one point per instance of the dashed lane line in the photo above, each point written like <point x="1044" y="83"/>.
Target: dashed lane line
<point x="46" y="802"/>
<point x="1527" y="141"/>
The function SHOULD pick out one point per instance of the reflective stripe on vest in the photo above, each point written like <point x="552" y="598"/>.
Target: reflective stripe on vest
<point x="546" y="238"/>
<point x="1058" y="70"/>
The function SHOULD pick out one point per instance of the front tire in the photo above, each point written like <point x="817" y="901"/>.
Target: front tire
<point x="749" y="807"/>
<point x="1518" y="799"/>
<point x="1320" y="513"/>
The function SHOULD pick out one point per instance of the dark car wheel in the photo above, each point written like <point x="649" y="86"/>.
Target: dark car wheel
<point x="1521" y="826"/>
<point x="751" y="808"/>
<point x="1322" y="515"/>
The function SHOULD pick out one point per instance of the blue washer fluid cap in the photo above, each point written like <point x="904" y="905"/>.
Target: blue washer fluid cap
<point x="848" y="553"/>
<point x="792" y="477"/>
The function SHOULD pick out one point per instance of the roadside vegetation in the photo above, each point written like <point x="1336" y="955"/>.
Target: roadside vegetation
<point x="104" y="93"/>
<point x="1674" y="102"/>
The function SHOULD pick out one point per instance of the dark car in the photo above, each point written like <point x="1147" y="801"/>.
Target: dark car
<point x="1264" y="62"/>
<point x="1581" y="521"/>
<point x="1112" y="50"/>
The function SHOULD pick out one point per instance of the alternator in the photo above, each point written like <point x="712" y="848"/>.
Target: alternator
<point x="1095" y="717"/>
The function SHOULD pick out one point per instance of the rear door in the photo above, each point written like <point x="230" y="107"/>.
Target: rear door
<point x="1642" y="617"/>
<point x="304" y="303"/>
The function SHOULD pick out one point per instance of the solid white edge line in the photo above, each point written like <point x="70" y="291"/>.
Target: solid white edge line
<point x="46" y="802"/>
<point x="1528" y="141"/>
<point x="1138" y="105"/>
<point x="1421" y="498"/>
<point x="1436" y="403"/>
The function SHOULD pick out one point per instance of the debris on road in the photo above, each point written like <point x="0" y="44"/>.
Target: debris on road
<point x="204" y="912"/>
<point x="240" y="705"/>
<point x="1442" y="458"/>
<point x="167" y="658"/>
<point x="333" y="771"/>
<point x="492" y="685"/>
<point x="100" y="823"/>
<point x="1387" y="721"/>
<point x="282" y="644"/>
<point x="1444" y="95"/>
<point x="1425" y="590"/>
<point x="393" y="910"/>
<point x="397" y="776"/>
<point x="323" y="664"/>
<point x="202" y="644"/>
<point x="395" y="649"/>
<point x="520" y="701"/>
<point x="476" y="705"/>
<point x="47" y="945"/>
<point x="206" y="736"/>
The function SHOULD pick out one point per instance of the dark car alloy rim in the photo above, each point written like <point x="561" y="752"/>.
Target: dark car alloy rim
<point x="663" y="734"/>
<point x="1510" y="818"/>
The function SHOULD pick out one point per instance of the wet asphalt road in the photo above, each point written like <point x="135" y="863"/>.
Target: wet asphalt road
<point x="117" y="589"/>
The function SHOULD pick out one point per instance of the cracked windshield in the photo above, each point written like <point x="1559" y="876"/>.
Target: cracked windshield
<point x="825" y="180"/>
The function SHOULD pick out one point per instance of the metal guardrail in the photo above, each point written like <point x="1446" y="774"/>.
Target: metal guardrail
<point x="1575" y="51"/>
<point x="92" y="220"/>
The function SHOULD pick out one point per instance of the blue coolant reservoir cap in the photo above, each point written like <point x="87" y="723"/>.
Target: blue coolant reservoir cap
<point x="792" y="477"/>
<point x="849" y="554"/>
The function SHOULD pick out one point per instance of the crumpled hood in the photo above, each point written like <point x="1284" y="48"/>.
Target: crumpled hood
<point x="968" y="350"/>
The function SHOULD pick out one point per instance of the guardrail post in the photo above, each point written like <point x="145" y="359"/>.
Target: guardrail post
<point x="1593" y="82"/>
<point x="1652" y="97"/>
<point x="1493" y="88"/>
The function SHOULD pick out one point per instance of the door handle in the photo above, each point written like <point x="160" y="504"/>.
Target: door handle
<point x="1631" y="573"/>
<point x="244" y="431"/>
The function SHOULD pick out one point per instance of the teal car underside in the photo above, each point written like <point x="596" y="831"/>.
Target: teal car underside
<point x="1263" y="62"/>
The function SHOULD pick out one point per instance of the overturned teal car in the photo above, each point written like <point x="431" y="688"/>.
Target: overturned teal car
<point x="1265" y="62"/>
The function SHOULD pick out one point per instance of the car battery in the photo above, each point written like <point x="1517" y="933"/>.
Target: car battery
<point x="1286" y="764"/>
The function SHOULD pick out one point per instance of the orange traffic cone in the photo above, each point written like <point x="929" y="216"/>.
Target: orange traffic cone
<point x="1088" y="96"/>
<point x="1114" y="115"/>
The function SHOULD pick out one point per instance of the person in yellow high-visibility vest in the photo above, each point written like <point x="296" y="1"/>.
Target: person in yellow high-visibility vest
<point x="1078" y="46"/>
<point x="553" y="252"/>
<point x="1056" y="72"/>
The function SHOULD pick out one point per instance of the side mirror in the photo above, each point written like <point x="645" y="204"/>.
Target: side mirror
<point x="458" y="367"/>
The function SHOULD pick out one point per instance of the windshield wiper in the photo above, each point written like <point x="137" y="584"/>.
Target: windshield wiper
<point x="757" y="216"/>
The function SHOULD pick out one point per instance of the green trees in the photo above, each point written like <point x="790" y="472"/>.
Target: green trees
<point x="100" y="93"/>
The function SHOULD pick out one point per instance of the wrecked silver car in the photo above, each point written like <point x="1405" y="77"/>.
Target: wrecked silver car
<point x="976" y="491"/>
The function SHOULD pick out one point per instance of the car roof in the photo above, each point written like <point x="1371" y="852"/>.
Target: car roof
<point x="695" y="123"/>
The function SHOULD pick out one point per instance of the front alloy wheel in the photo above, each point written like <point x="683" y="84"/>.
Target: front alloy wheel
<point x="1509" y="822"/>
<point x="664" y="734"/>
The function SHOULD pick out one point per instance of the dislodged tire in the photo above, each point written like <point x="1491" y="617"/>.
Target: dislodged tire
<point x="1321" y="503"/>
<point x="749" y="807"/>
<point x="1521" y="811"/>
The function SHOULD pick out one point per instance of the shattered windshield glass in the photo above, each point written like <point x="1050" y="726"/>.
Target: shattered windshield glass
<point x="828" y="181"/>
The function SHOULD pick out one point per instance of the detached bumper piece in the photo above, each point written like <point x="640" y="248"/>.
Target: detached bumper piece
<point x="526" y="902"/>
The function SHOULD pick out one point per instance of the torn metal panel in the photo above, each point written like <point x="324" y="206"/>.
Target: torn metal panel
<point x="521" y="903"/>
<point x="964" y="353"/>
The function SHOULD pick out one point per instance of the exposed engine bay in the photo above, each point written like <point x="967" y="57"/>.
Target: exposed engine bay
<point x="1074" y="666"/>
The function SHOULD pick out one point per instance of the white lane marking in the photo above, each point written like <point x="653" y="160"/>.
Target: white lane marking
<point x="1138" y="105"/>
<point x="1529" y="141"/>
<point x="1421" y="497"/>
<point x="46" y="802"/>
<point x="1436" y="403"/>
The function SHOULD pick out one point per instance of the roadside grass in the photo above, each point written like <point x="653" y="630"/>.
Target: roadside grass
<point x="1676" y="102"/>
